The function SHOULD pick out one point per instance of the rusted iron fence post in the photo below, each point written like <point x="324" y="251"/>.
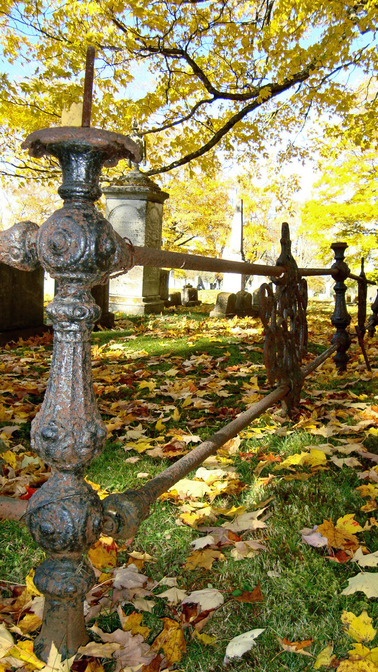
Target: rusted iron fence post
<point x="283" y="314"/>
<point x="373" y="319"/>
<point x="79" y="248"/>
<point x="340" y="318"/>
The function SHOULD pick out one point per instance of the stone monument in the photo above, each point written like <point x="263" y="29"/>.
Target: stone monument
<point x="21" y="301"/>
<point x="235" y="282"/>
<point x="135" y="209"/>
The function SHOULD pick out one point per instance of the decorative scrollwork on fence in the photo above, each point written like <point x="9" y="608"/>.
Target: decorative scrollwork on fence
<point x="283" y="314"/>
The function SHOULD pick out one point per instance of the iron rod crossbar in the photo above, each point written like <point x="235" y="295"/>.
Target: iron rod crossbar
<point x="309" y="272"/>
<point x="167" y="478"/>
<point x="352" y="276"/>
<point x="318" y="360"/>
<point x="14" y="509"/>
<point x="149" y="256"/>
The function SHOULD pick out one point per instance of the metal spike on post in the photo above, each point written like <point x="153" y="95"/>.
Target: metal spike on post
<point x="88" y="87"/>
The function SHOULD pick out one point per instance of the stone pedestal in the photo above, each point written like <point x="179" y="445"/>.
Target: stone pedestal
<point x="21" y="301"/>
<point x="135" y="210"/>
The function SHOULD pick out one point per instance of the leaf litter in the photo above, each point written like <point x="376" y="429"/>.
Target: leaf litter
<point x="141" y="403"/>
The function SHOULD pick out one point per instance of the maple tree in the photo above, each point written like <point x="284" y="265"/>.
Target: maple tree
<point x="205" y="79"/>
<point x="344" y="201"/>
<point x="197" y="214"/>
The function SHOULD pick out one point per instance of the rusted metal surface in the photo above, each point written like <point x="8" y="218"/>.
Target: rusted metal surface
<point x="12" y="508"/>
<point x="359" y="278"/>
<point x="361" y="314"/>
<point x="148" y="256"/>
<point x="306" y="370"/>
<point x="283" y="314"/>
<point x="80" y="249"/>
<point x="18" y="246"/>
<point x="373" y="319"/>
<point x="340" y="318"/>
<point x="312" y="272"/>
<point x="124" y="512"/>
<point x="88" y="87"/>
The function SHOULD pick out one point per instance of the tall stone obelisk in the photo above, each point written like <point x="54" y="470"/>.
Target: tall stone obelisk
<point x="234" y="282"/>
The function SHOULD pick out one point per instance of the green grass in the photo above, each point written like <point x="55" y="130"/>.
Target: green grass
<point x="301" y="587"/>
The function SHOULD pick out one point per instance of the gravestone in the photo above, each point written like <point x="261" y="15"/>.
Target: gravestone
<point x="255" y="307"/>
<point x="21" y="301"/>
<point x="225" y="305"/>
<point x="190" y="296"/>
<point x="174" y="300"/>
<point x="164" y="284"/>
<point x="243" y="303"/>
<point x="100" y="294"/>
<point x="135" y="210"/>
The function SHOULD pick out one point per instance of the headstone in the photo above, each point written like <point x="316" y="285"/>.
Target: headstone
<point x="190" y="296"/>
<point x="21" y="301"/>
<point x="164" y="284"/>
<point x="255" y="308"/>
<point x="225" y="305"/>
<point x="174" y="300"/>
<point x="243" y="303"/>
<point x="135" y="210"/>
<point x="100" y="294"/>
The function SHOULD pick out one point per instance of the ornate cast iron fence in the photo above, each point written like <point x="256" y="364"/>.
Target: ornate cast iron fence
<point x="79" y="248"/>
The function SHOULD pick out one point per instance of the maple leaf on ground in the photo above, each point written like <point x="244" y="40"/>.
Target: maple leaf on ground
<point x="246" y="549"/>
<point x="313" y="537"/>
<point x="103" y="554"/>
<point x="361" y="652"/>
<point x="208" y="599"/>
<point x="296" y="647"/>
<point x="132" y="651"/>
<point x="325" y="658"/>
<point x="337" y="538"/>
<point x="171" y="640"/>
<point x="132" y="623"/>
<point x="241" y="644"/>
<point x="252" y="596"/>
<point x="203" y="559"/>
<point x="368" y="560"/>
<point x="357" y="666"/>
<point x="174" y="595"/>
<point x="246" y="521"/>
<point x="360" y="627"/>
<point x="6" y="640"/>
<point x="365" y="583"/>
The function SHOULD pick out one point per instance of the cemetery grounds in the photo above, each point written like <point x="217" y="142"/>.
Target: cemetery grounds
<point x="275" y="536"/>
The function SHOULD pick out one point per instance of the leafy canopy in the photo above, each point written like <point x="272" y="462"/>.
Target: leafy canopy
<point x="344" y="202"/>
<point x="206" y="79"/>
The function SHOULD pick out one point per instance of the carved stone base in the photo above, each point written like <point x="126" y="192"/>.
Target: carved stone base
<point x="136" y="305"/>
